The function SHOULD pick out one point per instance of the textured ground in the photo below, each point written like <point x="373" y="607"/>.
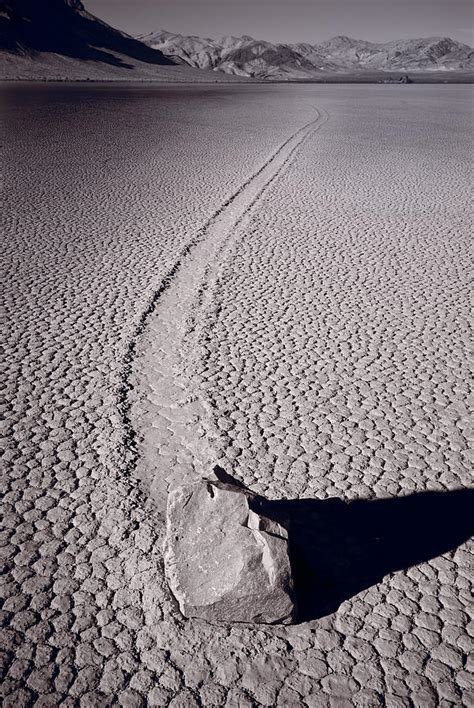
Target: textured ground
<point x="184" y="287"/>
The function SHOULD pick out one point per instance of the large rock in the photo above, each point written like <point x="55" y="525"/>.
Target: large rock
<point x="225" y="561"/>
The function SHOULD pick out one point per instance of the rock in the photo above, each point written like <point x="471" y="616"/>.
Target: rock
<point x="224" y="560"/>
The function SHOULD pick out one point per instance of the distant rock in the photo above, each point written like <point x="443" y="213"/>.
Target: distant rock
<point x="225" y="561"/>
<point x="401" y="80"/>
<point x="260" y="59"/>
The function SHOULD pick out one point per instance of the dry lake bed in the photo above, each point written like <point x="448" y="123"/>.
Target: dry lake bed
<point x="274" y="279"/>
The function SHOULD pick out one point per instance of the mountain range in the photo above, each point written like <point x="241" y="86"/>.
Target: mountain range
<point x="246" y="56"/>
<point x="59" y="39"/>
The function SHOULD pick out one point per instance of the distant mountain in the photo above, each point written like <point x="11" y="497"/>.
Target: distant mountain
<point x="60" y="39"/>
<point x="426" y="54"/>
<point x="242" y="56"/>
<point x="247" y="56"/>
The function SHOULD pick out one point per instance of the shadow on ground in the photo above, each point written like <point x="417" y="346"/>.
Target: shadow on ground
<point x="339" y="548"/>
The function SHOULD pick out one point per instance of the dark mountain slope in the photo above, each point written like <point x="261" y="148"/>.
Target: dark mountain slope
<point x="64" y="27"/>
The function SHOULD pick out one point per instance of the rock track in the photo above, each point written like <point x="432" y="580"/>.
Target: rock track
<point x="160" y="403"/>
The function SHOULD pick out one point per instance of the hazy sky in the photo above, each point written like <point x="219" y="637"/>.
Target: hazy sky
<point x="293" y="20"/>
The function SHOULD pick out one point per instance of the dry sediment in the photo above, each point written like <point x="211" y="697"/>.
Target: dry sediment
<point x="348" y="379"/>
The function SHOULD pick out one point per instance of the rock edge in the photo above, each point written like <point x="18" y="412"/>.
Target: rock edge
<point x="225" y="561"/>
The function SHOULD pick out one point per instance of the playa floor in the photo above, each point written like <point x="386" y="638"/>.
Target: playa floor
<point x="270" y="278"/>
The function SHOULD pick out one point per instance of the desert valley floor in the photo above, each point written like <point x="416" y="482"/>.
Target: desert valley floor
<point x="271" y="278"/>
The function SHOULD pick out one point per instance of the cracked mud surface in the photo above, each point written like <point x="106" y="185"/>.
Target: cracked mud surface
<point x="311" y="337"/>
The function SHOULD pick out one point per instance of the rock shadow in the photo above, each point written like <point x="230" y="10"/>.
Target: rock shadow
<point x="339" y="548"/>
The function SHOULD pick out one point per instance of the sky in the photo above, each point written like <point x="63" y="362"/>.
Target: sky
<point x="293" y="20"/>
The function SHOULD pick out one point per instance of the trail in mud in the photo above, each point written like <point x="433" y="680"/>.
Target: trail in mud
<point x="161" y="409"/>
